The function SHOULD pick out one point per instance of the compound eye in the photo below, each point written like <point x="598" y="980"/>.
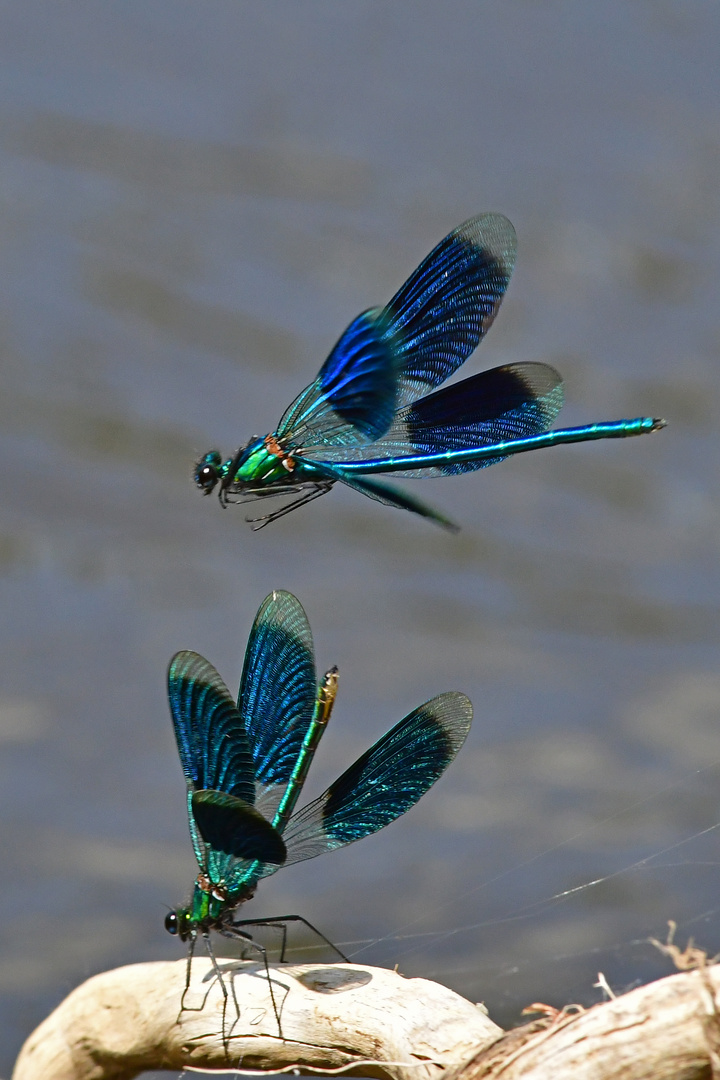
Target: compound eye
<point x="172" y="923"/>
<point x="206" y="478"/>
<point x="207" y="471"/>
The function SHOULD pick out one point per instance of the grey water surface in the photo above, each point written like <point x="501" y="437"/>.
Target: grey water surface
<point x="195" y="200"/>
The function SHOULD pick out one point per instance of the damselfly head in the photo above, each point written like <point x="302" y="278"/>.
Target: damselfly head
<point x="177" y="923"/>
<point x="207" y="471"/>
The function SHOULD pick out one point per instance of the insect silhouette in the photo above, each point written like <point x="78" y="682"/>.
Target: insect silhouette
<point x="365" y="413"/>
<point x="245" y="765"/>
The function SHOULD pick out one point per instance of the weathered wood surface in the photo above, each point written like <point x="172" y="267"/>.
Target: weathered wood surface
<point x="122" y="1022"/>
<point x="367" y="1021"/>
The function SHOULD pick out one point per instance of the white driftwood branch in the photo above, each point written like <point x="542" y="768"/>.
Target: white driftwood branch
<point x="126" y="1021"/>
<point x="344" y="1016"/>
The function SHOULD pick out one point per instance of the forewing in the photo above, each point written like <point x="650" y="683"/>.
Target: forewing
<point x="387" y="358"/>
<point x="445" y="308"/>
<point x="234" y="827"/>
<point x="277" y="689"/>
<point x="385" y="782"/>
<point x="354" y="397"/>
<point x="211" y="738"/>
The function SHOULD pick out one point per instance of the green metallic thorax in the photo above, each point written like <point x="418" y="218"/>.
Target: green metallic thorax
<point x="264" y="463"/>
<point x="205" y="907"/>
<point x="259" y="465"/>
<point x="210" y="900"/>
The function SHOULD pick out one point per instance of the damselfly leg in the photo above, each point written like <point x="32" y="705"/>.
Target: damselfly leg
<point x="282" y="921"/>
<point x="311" y="492"/>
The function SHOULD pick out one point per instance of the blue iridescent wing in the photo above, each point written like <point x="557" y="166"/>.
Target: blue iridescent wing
<point x="354" y="396"/>
<point x="445" y="308"/>
<point x="387" y="358"/>
<point x="385" y="782"/>
<point x="277" y="692"/>
<point x="211" y="737"/>
<point x="504" y="403"/>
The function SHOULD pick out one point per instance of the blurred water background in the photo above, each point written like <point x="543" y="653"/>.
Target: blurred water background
<point x="195" y="200"/>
